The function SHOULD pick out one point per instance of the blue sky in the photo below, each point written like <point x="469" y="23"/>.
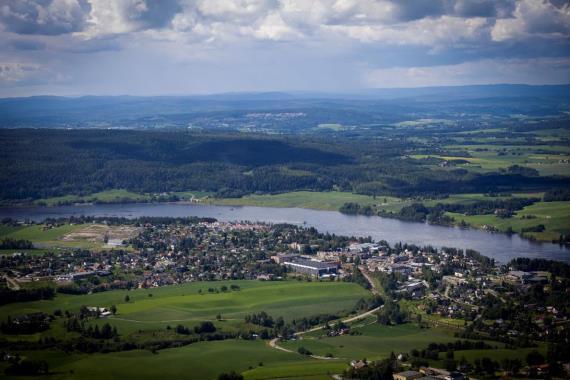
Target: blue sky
<point x="164" y="47"/>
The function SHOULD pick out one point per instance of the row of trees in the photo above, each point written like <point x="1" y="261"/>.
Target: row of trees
<point x="26" y="295"/>
<point x="205" y="327"/>
<point x="9" y="243"/>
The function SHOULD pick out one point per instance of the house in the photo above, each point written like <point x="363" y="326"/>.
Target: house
<point x="399" y="268"/>
<point x="359" y="364"/>
<point x="441" y="373"/>
<point x="407" y="375"/>
<point x="413" y="288"/>
<point x="517" y="276"/>
<point x="103" y="312"/>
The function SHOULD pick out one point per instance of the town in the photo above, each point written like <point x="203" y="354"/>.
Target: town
<point x="517" y="304"/>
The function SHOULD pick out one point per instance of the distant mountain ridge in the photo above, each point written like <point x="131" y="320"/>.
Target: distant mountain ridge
<point x="60" y="111"/>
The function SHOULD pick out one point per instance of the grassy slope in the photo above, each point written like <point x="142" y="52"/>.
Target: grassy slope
<point x="498" y="354"/>
<point x="36" y="233"/>
<point x="114" y="196"/>
<point x="304" y="199"/>
<point x="103" y="196"/>
<point x="198" y="361"/>
<point x="554" y="215"/>
<point x="376" y="341"/>
<point x="183" y="303"/>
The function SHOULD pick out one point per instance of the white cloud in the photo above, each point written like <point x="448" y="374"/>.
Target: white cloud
<point x="239" y="43"/>
<point x="534" y="18"/>
<point x="428" y="31"/>
<point x="109" y="17"/>
<point x="272" y="27"/>
<point x="43" y="17"/>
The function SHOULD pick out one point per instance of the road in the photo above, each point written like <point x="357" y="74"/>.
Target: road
<point x="274" y="343"/>
<point x="368" y="277"/>
<point x="12" y="284"/>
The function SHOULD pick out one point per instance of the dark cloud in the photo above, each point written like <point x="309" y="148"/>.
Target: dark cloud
<point x="152" y="14"/>
<point x="484" y="8"/>
<point x="418" y="9"/>
<point x="45" y="17"/>
<point x="27" y="45"/>
<point x="560" y="3"/>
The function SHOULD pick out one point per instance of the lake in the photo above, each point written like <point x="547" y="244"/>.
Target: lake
<point x="498" y="246"/>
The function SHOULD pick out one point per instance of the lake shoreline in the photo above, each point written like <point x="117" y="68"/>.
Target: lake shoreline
<point x="495" y="245"/>
<point x="249" y="203"/>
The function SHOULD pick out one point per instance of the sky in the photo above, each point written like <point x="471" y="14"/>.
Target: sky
<point x="179" y="47"/>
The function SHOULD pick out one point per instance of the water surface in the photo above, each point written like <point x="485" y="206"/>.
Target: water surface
<point x="499" y="246"/>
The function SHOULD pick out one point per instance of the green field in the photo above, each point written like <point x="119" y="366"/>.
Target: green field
<point x="107" y="196"/>
<point x="171" y="305"/>
<point x="116" y="196"/>
<point x="332" y="200"/>
<point x="146" y="317"/>
<point x="547" y="159"/>
<point x="376" y="341"/>
<point x="62" y="236"/>
<point x="36" y="233"/>
<point x="555" y="216"/>
<point x="497" y="354"/>
<point x="204" y="360"/>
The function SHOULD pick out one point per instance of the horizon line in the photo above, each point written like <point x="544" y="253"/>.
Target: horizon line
<point x="288" y="92"/>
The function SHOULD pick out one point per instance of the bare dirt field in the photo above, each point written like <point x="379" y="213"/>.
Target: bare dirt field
<point x="100" y="233"/>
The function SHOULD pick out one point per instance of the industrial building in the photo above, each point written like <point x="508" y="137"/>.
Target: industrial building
<point x="313" y="268"/>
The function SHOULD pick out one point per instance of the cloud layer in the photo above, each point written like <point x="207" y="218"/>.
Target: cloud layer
<point x="228" y="45"/>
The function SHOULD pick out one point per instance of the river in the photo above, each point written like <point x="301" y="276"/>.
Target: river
<point x="498" y="246"/>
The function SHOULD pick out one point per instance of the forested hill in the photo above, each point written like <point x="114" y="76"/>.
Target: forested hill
<point x="41" y="163"/>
